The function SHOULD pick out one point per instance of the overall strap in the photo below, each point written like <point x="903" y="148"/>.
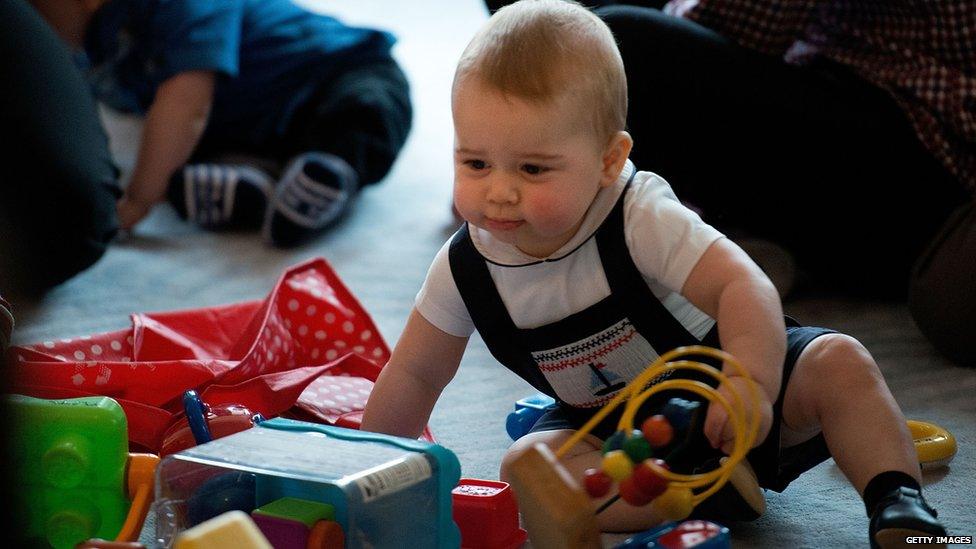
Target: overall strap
<point x="652" y="319"/>
<point x="488" y="313"/>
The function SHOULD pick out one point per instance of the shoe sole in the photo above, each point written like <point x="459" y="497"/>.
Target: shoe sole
<point x="897" y="538"/>
<point x="289" y="183"/>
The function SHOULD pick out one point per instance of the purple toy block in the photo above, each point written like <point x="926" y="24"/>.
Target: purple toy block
<point x="281" y="532"/>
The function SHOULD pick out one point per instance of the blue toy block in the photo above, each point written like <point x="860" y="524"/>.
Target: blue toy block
<point x="527" y="412"/>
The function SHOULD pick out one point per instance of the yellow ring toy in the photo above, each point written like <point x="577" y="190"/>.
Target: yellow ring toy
<point x="680" y="499"/>
<point x="934" y="445"/>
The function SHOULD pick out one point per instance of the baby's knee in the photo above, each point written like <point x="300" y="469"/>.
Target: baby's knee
<point x="839" y="360"/>
<point x="551" y="439"/>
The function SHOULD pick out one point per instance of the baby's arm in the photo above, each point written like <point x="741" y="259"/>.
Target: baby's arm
<point x="728" y="286"/>
<point x="173" y="126"/>
<point x="423" y="363"/>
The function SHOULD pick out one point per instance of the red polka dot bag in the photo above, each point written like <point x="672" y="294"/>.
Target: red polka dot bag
<point x="308" y="350"/>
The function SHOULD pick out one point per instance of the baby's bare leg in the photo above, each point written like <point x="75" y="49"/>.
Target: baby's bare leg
<point x="837" y="387"/>
<point x="620" y="516"/>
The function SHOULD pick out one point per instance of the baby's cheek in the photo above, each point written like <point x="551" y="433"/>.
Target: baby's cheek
<point x="465" y="201"/>
<point x="549" y="211"/>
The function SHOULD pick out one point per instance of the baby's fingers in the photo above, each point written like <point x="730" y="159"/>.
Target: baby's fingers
<point x="715" y="425"/>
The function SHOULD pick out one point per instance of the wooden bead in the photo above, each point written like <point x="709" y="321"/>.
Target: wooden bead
<point x="617" y="465"/>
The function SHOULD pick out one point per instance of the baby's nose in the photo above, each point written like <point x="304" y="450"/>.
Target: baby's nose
<point x="502" y="189"/>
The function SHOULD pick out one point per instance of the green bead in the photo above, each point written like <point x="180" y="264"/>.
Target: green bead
<point x="637" y="447"/>
<point x="613" y="442"/>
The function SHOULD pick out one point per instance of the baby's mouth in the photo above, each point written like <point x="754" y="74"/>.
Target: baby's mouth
<point x="494" y="224"/>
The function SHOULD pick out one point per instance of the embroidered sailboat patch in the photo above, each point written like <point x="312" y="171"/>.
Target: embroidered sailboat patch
<point x="589" y="372"/>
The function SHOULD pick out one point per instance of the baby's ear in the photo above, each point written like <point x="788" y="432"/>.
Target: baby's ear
<point x="614" y="157"/>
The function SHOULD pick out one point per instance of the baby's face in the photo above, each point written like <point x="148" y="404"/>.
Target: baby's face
<point x="525" y="172"/>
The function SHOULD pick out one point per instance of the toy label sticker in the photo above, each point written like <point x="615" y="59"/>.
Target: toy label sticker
<point x="379" y="482"/>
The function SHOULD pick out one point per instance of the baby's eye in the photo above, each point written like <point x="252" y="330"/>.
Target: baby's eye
<point x="476" y="164"/>
<point x="533" y="169"/>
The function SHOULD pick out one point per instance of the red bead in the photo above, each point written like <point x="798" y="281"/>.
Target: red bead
<point x="657" y="430"/>
<point x="597" y="483"/>
<point x="632" y="494"/>
<point x="648" y="481"/>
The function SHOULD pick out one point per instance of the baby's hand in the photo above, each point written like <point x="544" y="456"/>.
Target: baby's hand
<point x="720" y="431"/>
<point x="130" y="211"/>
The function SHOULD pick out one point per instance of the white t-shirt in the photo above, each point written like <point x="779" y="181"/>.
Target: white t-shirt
<point x="665" y="240"/>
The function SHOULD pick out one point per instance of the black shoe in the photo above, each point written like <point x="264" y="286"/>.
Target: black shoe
<point x="221" y="196"/>
<point x="902" y="514"/>
<point x="314" y="192"/>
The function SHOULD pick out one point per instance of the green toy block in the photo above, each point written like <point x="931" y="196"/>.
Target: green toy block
<point x="298" y="510"/>
<point x="69" y="458"/>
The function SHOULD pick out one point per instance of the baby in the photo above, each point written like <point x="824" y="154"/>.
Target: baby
<point x="578" y="270"/>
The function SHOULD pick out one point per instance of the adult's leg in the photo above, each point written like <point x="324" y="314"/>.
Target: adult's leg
<point x="942" y="297"/>
<point x="811" y="158"/>
<point x="58" y="192"/>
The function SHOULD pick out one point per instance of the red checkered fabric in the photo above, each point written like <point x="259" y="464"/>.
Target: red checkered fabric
<point x="922" y="52"/>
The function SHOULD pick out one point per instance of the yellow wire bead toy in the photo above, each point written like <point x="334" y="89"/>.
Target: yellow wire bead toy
<point x="680" y="496"/>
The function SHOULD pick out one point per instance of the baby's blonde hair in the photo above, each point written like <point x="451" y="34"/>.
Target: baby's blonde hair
<point x="539" y="49"/>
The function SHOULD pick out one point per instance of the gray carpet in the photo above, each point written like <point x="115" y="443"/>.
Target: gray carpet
<point x="382" y="252"/>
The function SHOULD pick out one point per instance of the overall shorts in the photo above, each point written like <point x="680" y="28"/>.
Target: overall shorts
<point x="585" y="359"/>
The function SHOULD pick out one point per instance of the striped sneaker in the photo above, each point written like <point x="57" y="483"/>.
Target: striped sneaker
<point x="221" y="196"/>
<point x="314" y="192"/>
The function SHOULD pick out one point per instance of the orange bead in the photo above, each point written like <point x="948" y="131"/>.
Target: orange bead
<point x="657" y="430"/>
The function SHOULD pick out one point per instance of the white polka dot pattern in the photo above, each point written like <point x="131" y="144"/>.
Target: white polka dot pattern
<point x="309" y="326"/>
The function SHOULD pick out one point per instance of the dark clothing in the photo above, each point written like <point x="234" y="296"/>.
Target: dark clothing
<point x="921" y="54"/>
<point x="269" y="55"/>
<point x="813" y="158"/>
<point x="942" y="297"/>
<point x="362" y="115"/>
<point x="585" y="359"/>
<point x="775" y="467"/>
<point x="290" y="81"/>
<point x="58" y="191"/>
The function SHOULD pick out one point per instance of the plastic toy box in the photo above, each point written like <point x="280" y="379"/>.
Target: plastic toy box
<point x="387" y="491"/>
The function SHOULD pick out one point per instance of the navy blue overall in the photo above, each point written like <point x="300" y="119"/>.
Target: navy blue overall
<point x="583" y="360"/>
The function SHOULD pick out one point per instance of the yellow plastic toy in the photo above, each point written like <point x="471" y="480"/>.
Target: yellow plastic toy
<point x="678" y="500"/>
<point x="934" y="445"/>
